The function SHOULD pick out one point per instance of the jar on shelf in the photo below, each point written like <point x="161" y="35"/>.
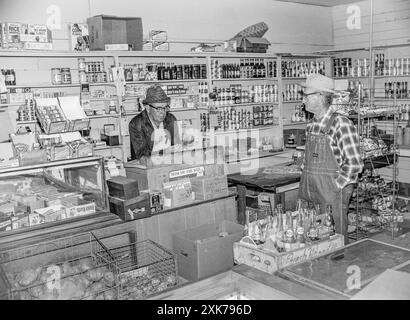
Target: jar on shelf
<point x="82" y="76"/>
<point x="81" y="64"/>
<point x="66" y="75"/>
<point x="56" y="76"/>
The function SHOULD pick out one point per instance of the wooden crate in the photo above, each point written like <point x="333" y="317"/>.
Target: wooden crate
<point x="270" y="262"/>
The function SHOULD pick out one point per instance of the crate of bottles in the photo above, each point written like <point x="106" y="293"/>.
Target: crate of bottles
<point x="279" y="239"/>
<point x="267" y="260"/>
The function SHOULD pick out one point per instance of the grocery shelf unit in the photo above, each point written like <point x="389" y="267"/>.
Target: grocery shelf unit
<point x="33" y="70"/>
<point x="366" y="71"/>
<point x="293" y="70"/>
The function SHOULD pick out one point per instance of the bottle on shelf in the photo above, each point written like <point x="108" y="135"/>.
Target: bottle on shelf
<point x="329" y="222"/>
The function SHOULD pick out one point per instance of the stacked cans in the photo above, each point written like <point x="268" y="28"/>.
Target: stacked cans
<point x="398" y="89"/>
<point x="293" y="92"/>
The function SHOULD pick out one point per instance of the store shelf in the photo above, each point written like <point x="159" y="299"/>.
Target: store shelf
<point x="26" y="122"/>
<point x="5" y="105"/>
<point x="246" y="104"/>
<point x="50" y="85"/>
<point x="295" y="124"/>
<point x="293" y="101"/>
<point x="108" y="147"/>
<point x="244" y="130"/>
<point x="164" y="81"/>
<point x="99" y="116"/>
<point x="293" y="78"/>
<point x="390" y="99"/>
<point x="378" y="162"/>
<point x="246" y="79"/>
<point x="261" y="154"/>
<point x="391" y="76"/>
<point x="351" y="78"/>
<point x="54" y="53"/>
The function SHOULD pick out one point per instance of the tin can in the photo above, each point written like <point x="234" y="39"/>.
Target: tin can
<point x="66" y="75"/>
<point x="56" y="76"/>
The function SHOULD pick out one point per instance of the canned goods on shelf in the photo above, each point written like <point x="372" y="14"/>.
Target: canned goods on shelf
<point x="66" y="75"/>
<point x="56" y="77"/>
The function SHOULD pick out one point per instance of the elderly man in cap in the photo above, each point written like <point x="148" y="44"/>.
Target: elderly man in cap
<point x="154" y="129"/>
<point x="332" y="159"/>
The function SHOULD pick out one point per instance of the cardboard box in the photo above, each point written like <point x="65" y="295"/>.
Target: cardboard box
<point x="177" y="193"/>
<point x="153" y="178"/>
<point x="206" y="250"/>
<point x="209" y="187"/>
<point x="131" y="209"/>
<point x="122" y="187"/>
<point x="79" y="37"/>
<point x="106" y="29"/>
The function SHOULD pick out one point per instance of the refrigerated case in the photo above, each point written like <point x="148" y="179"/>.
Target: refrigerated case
<point x="52" y="198"/>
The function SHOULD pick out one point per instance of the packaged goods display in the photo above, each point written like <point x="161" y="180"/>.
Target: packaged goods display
<point x="243" y="117"/>
<point x="301" y="69"/>
<point x="10" y="76"/>
<point x="42" y="197"/>
<point x="245" y="69"/>
<point x="92" y="71"/>
<point x="164" y="71"/>
<point x="375" y="197"/>
<point x="349" y="67"/>
<point x="391" y="66"/>
<point x="299" y="115"/>
<point x="239" y="94"/>
<point x="396" y="89"/>
<point x="79" y="37"/>
<point x="25" y="36"/>
<point x="292" y="92"/>
<point x="60" y="76"/>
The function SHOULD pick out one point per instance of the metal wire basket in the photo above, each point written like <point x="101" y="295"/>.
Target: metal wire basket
<point x="146" y="268"/>
<point x="71" y="268"/>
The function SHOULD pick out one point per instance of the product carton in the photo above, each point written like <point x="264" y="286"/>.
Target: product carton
<point x="206" y="250"/>
<point x="106" y="29"/>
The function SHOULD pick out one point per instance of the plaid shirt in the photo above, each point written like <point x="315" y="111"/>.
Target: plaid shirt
<point x="345" y="146"/>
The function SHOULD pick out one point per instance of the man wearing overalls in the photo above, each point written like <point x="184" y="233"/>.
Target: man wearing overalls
<point x="332" y="159"/>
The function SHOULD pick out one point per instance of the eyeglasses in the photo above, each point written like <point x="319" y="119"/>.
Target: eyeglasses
<point x="163" y="109"/>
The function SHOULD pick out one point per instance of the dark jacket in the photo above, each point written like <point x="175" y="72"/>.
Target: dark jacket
<point x="141" y="129"/>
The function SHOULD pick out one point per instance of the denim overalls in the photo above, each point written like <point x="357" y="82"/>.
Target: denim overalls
<point x="318" y="180"/>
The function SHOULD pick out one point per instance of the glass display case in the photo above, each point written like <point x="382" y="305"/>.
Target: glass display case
<point x="52" y="193"/>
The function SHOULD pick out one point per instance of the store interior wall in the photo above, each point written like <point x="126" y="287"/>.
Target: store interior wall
<point x="391" y="24"/>
<point x="292" y="27"/>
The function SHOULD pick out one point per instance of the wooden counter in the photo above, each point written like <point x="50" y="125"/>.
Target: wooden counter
<point x="247" y="282"/>
<point x="158" y="227"/>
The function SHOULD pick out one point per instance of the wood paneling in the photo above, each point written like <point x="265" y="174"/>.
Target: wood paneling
<point x="391" y="24"/>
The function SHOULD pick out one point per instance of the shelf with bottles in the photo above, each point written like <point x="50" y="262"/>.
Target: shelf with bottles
<point x="240" y="118"/>
<point x="164" y="71"/>
<point x="300" y="68"/>
<point x="239" y="94"/>
<point x="243" y="69"/>
<point x="392" y="90"/>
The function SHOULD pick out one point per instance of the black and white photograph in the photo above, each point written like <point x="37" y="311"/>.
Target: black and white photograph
<point x="183" y="155"/>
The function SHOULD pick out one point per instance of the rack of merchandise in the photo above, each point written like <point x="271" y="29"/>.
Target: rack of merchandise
<point x="378" y="75"/>
<point x="236" y="94"/>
